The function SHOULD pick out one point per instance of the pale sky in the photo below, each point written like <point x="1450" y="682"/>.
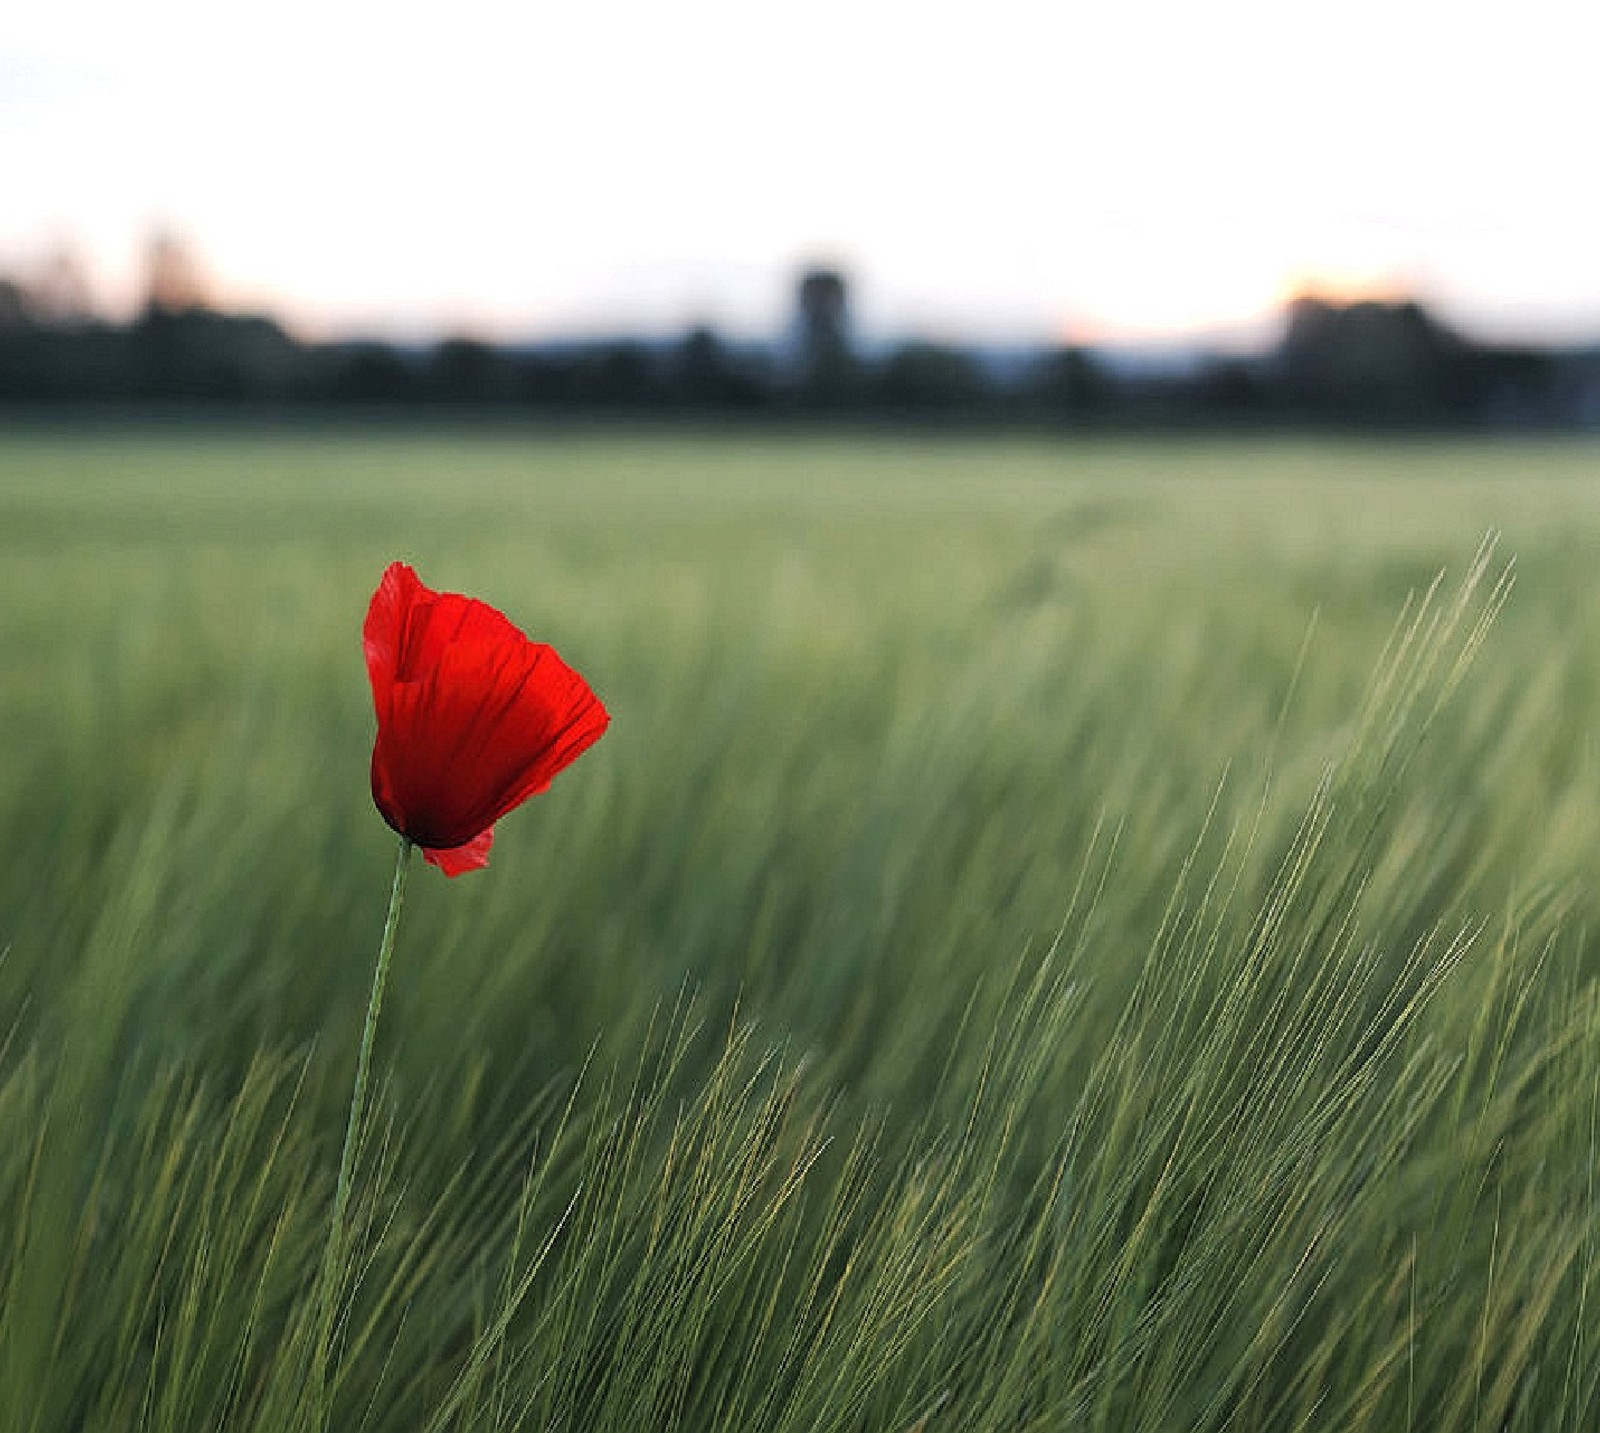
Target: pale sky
<point x="1004" y="170"/>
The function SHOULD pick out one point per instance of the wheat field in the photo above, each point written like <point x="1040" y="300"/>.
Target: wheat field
<point x="1058" y="936"/>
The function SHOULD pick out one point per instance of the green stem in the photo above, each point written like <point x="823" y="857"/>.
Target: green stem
<point x="333" y="1258"/>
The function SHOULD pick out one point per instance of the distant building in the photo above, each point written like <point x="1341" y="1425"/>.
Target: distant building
<point x="822" y="311"/>
<point x="827" y="369"/>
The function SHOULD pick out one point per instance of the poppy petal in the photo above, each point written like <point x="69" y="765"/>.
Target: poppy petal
<point x="445" y="622"/>
<point x="453" y="860"/>
<point x="485" y="731"/>
<point x="384" y="630"/>
<point x="577" y="721"/>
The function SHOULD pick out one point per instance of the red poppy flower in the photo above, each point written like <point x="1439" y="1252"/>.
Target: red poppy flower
<point x="473" y="718"/>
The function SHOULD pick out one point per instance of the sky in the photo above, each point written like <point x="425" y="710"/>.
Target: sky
<point x="1010" y="172"/>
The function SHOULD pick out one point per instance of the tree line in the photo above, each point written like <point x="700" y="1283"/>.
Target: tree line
<point x="1358" y="365"/>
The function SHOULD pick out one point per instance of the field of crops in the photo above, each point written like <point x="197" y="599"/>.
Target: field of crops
<point x="1096" y="936"/>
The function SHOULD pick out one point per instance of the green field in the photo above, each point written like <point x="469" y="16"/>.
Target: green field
<point x="1093" y="936"/>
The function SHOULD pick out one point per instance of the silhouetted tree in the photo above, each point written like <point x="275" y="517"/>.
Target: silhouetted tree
<point x="543" y="379"/>
<point x="931" y="378"/>
<point x="1070" y="384"/>
<point x="1373" y="362"/>
<point x="703" y="374"/>
<point x="1230" y="390"/>
<point x="199" y="354"/>
<point x="61" y="295"/>
<point x="15" y="310"/>
<point x="618" y="374"/>
<point x="173" y="280"/>
<point x="465" y="370"/>
<point x="363" y="373"/>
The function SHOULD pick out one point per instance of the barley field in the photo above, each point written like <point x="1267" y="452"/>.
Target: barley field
<point x="1093" y="936"/>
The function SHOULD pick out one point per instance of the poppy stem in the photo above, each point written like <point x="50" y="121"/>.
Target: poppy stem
<point x="333" y="1258"/>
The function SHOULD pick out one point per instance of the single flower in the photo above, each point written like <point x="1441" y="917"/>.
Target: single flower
<point x="473" y="718"/>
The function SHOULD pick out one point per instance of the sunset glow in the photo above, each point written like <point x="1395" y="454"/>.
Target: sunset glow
<point x="1148" y="170"/>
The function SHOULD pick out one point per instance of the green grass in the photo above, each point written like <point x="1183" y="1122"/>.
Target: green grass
<point x="1056" y="937"/>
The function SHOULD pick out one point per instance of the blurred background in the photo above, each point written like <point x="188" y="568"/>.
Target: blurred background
<point x="1039" y="214"/>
